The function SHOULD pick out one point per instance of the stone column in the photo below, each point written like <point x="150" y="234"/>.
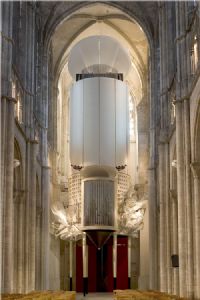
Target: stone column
<point x="168" y="223"/>
<point x="163" y="232"/>
<point x="38" y="249"/>
<point x="70" y="264"/>
<point x="7" y="160"/>
<point x="85" y="265"/>
<point x="16" y="201"/>
<point x="21" y="225"/>
<point x="114" y="261"/>
<point x="32" y="214"/>
<point x="7" y="149"/>
<point x="153" y="215"/>
<point x="143" y="281"/>
<point x="188" y="199"/>
<point x="183" y="152"/>
<point x="129" y="262"/>
<point x="45" y="227"/>
<point x="175" y="271"/>
<point x="196" y="175"/>
<point x="162" y="223"/>
<point x="181" y="198"/>
<point x="45" y="187"/>
<point x="26" y="222"/>
<point x="19" y="240"/>
<point x="153" y="231"/>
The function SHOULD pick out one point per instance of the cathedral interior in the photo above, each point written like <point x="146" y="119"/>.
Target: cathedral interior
<point x="100" y="146"/>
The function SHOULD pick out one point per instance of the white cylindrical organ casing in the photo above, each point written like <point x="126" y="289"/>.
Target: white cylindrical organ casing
<point x="99" y="122"/>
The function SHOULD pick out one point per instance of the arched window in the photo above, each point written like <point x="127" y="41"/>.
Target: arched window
<point x="17" y="94"/>
<point x="194" y="54"/>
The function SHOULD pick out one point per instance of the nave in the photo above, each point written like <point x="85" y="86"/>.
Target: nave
<point x="100" y="148"/>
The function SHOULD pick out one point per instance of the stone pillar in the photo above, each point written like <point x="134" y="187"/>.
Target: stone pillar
<point x="32" y="214"/>
<point x="7" y="149"/>
<point x="70" y="264"/>
<point x="162" y="223"/>
<point x="153" y="231"/>
<point x="7" y="160"/>
<point x="175" y="271"/>
<point x="85" y="265"/>
<point x="38" y="280"/>
<point x="153" y="215"/>
<point x="188" y="200"/>
<point x="19" y="240"/>
<point x="114" y="261"/>
<point x="45" y="186"/>
<point x="181" y="198"/>
<point x="168" y="223"/>
<point x="143" y="282"/>
<point x="163" y="167"/>
<point x="45" y="227"/>
<point x="20" y="286"/>
<point x="129" y="262"/>
<point x="196" y="176"/>
<point x="183" y="151"/>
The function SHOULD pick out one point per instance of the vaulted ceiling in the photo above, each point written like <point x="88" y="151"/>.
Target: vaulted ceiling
<point x="66" y="23"/>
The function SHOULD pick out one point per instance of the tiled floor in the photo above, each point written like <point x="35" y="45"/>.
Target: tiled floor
<point x="95" y="296"/>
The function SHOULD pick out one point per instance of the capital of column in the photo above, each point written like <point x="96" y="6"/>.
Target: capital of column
<point x="195" y="167"/>
<point x="33" y="141"/>
<point x="11" y="99"/>
<point x="180" y="100"/>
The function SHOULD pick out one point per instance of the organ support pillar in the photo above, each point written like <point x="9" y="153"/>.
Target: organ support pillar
<point x="85" y="265"/>
<point x="129" y="262"/>
<point x="114" y="261"/>
<point x="70" y="264"/>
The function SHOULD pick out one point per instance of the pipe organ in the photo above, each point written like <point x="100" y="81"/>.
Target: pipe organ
<point x="99" y="129"/>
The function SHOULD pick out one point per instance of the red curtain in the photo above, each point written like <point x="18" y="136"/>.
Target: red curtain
<point x="93" y="266"/>
<point x="122" y="263"/>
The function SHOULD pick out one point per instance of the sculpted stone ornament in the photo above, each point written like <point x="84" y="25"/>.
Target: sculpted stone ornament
<point x="131" y="211"/>
<point x="65" y="225"/>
